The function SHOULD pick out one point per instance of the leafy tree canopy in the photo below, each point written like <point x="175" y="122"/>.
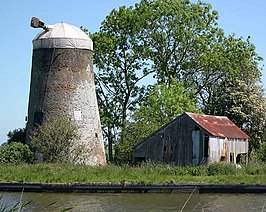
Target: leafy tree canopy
<point x="17" y="135"/>
<point x="164" y="103"/>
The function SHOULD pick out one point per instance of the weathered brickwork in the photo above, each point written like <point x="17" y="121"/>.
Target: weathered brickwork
<point x="62" y="83"/>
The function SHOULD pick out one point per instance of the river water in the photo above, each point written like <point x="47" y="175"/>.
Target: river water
<point x="136" y="202"/>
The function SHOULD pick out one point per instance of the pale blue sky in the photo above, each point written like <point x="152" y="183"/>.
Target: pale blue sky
<point x="241" y="17"/>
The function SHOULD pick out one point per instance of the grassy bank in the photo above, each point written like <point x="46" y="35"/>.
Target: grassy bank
<point x="149" y="173"/>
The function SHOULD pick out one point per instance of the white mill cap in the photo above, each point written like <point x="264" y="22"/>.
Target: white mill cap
<point x="62" y="35"/>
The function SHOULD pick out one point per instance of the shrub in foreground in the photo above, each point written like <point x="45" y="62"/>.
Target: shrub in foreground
<point x="54" y="139"/>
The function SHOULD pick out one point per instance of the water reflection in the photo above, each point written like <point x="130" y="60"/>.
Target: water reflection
<point x="137" y="202"/>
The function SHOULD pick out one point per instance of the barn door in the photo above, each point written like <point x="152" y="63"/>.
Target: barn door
<point x="167" y="149"/>
<point x="196" y="147"/>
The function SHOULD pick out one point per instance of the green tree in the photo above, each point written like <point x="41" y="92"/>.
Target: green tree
<point x="120" y="68"/>
<point x="156" y="36"/>
<point x="177" y="35"/>
<point x="245" y="106"/>
<point x="17" y="135"/>
<point x="164" y="103"/>
<point x="183" y="42"/>
<point x="54" y="139"/>
<point x="239" y="94"/>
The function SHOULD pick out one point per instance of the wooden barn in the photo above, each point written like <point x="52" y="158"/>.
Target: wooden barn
<point x="194" y="139"/>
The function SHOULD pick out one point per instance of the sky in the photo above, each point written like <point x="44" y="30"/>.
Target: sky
<point x="242" y="17"/>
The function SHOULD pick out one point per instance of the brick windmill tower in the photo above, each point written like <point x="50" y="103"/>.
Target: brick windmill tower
<point x="62" y="83"/>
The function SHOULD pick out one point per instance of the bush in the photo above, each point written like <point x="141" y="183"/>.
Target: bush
<point x="261" y="152"/>
<point x="123" y="153"/>
<point x="256" y="169"/>
<point x="16" y="152"/>
<point x="54" y="139"/>
<point x="221" y="169"/>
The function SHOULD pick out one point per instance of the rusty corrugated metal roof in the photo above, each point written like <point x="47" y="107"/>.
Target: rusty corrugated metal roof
<point x="219" y="126"/>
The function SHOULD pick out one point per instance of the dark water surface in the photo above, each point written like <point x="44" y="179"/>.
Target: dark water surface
<point x="137" y="202"/>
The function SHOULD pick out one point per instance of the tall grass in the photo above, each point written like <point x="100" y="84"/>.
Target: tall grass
<point x="145" y="173"/>
<point x="17" y="206"/>
<point x="21" y="205"/>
